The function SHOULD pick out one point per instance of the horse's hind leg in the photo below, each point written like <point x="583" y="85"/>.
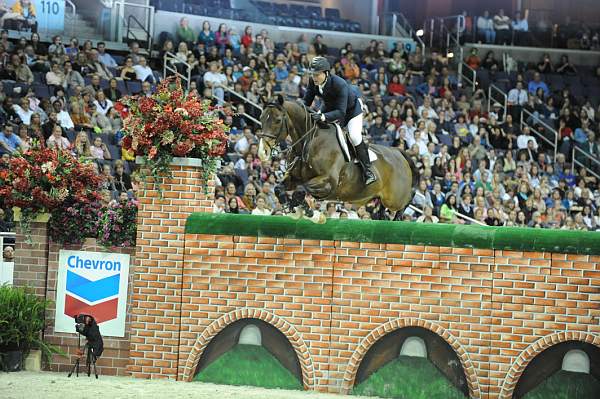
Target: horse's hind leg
<point x="319" y="187"/>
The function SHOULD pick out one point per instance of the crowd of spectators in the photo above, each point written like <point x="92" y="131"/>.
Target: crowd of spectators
<point x="520" y="30"/>
<point x="62" y="95"/>
<point x="472" y="161"/>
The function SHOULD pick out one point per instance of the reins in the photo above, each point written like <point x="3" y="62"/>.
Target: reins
<point x="310" y="130"/>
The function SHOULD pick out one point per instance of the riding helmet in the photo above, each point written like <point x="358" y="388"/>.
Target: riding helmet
<point x="319" y="64"/>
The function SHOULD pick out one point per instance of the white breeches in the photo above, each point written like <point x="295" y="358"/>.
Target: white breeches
<point x="355" y="126"/>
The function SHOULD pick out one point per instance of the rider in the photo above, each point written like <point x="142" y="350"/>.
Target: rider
<point x="340" y="103"/>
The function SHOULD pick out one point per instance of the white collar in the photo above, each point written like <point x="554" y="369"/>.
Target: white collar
<point x="321" y="87"/>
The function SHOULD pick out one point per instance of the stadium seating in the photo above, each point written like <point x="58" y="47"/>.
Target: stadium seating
<point x="268" y="13"/>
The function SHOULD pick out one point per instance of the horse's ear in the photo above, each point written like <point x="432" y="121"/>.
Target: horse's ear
<point x="280" y="100"/>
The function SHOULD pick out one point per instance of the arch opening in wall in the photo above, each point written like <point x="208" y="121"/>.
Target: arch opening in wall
<point x="250" y="352"/>
<point x="410" y="360"/>
<point x="569" y="369"/>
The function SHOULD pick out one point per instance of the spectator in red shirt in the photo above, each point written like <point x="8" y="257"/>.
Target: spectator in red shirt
<point x="395" y="88"/>
<point x="246" y="79"/>
<point x="473" y="60"/>
<point x="247" y="37"/>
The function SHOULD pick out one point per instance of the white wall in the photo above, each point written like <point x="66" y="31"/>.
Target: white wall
<point x="6" y="272"/>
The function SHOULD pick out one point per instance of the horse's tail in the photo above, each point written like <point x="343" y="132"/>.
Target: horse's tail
<point x="413" y="169"/>
<point x="415" y="177"/>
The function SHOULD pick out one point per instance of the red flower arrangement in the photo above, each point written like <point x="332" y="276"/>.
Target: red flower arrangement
<point x="42" y="180"/>
<point x="172" y="123"/>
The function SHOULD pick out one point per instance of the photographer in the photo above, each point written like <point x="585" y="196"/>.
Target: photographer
<point x="86" y="326"/>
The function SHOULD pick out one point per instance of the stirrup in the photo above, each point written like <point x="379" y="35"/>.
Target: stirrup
<point x="370" y="177"/>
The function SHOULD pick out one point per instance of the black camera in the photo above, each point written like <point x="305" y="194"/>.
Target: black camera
<point x="86" y="326"/>
<point x="80" y="322"/>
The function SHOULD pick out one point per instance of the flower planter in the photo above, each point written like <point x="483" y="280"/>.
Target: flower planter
<point x="41" y="218"/>
<point x="33" y="361"/>
<point x="176" y="161"/>
<point x="12" y="360"/>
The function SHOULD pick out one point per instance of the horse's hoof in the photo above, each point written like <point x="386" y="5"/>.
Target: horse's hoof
<point x="297" y="215"/>
<point x="318" y="218"/>
<point x="322" y="219"/>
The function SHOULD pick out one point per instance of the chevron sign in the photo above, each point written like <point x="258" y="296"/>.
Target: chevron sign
<point x="93" y="283"/>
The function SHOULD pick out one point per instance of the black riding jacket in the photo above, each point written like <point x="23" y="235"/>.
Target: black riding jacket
<point x="340" y="101"/>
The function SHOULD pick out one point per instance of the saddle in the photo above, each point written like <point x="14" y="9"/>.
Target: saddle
<point x="346" y="145"/>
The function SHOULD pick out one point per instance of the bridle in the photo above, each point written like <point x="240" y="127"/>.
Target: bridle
<point x="310" y="127"/>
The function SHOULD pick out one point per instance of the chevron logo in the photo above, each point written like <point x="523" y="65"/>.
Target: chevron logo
<point x="102" y="312"/>
<point x="97" y="298"/>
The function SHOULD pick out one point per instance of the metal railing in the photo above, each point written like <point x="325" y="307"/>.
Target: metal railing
<point x="444" y="32"/>
<point x="73" y="17"/>
<point x="124" y="10"/>
<point x="256" y="121"/>
<point x="592" y="161"/>
<point x="552" y="140"/>
<point x="472" y="81"/>
<point x="244" y="99"/>
<point x="458" y="214"/>
<point x="131" y="34"/>
<point x="168" y="60"/>
<point x="399" y="26"/>
<point x="493" y="89"/>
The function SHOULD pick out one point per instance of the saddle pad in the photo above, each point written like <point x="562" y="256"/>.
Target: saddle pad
<point x="341" y="136"/>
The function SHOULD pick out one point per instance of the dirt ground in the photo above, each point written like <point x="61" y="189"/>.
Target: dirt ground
<point x="46" y="385"/>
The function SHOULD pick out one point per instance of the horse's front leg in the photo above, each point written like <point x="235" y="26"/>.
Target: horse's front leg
<point x="319" y="187"/>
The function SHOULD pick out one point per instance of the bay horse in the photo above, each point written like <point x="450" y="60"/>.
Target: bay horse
<point x="315" y="160"/>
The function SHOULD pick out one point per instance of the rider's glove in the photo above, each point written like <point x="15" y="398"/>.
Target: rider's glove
<point x="318" y="117"/>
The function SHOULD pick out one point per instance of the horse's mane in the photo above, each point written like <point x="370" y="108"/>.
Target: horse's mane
<point x="279" y="104"/>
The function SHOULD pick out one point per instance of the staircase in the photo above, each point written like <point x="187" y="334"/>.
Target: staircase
<point x="77" y="26"/>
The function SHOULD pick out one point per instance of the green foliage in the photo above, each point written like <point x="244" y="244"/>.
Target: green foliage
<point x="74" y="221"/>
<point x="249" y="365"/>
<point x="22" y="321"/>
<point x="408" y="378"/>
<point x="566" y="385"/>
<point x="117" y="224"/>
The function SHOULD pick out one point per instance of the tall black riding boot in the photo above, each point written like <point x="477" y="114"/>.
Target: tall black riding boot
<point x="362" y="153"/>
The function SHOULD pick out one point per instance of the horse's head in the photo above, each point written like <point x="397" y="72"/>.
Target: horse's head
<point x="275" y="124"/>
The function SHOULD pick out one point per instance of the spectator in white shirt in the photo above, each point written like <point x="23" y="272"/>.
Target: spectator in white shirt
<point x="104" y="57"/>
<point x="426" y="106"/>
<point x="422" y="140"/>
<point x="518" y="95"/>
<point x="214" y="78"/>
<point x="103" y="104"/>
<point x="517" y="98"/>
<point x="524" y="138"/>
<point x="243" y="143"/>
<point x="409" y="129"/>
<point x="24" y="111"/>
<point x="62" y="116"/>
<point x="261" y="206"/>
<point x="55" y="77"/>
<point x="143" y="72"/>
<point x="502" y="27"/>
<point x="422" y="196"/>
<point x="485" y="27"/>
<point x="57" y="140"/>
